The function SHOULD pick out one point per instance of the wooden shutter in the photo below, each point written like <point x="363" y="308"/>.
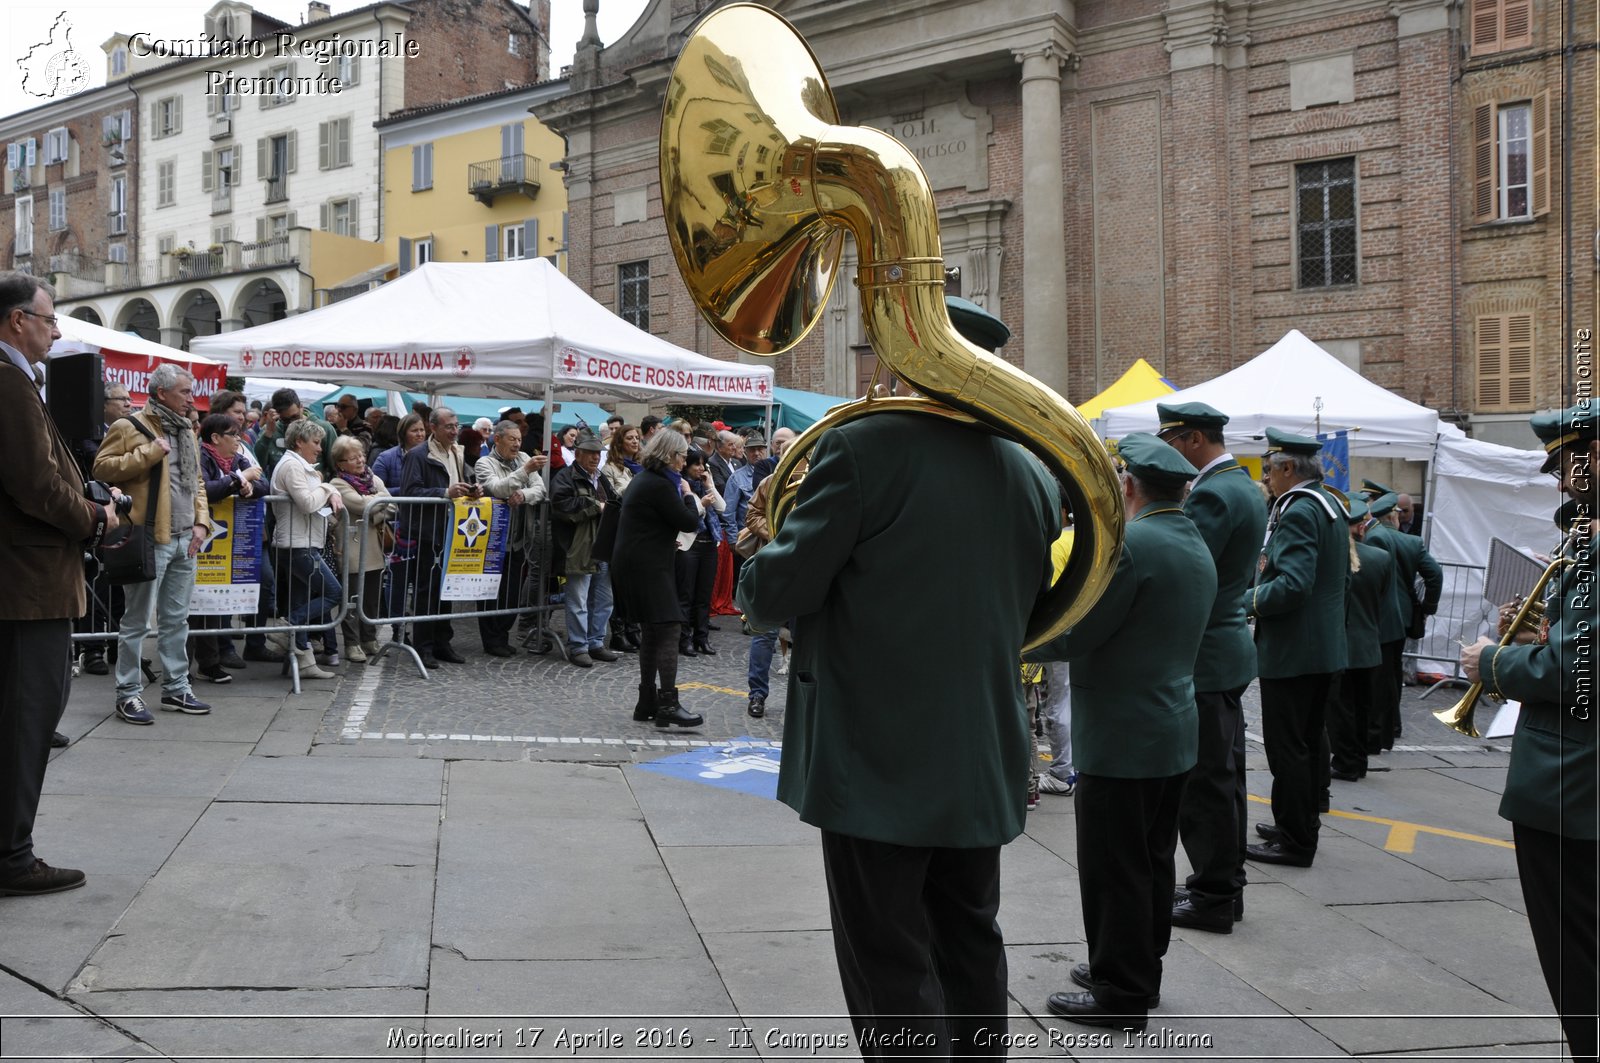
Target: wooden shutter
<point x="405" y="255"/>
<point x="1505" y="362"/>
<point x="155" y="121"/>
<point x="293" y="152"/>
<point x="416" y="168"/>
<point x="261" y="158"/>
<point x="491" y="243"/>
<point x="530" y="238"/>
<point x="355" y="217"/>
<point x="339" y="148"/>
<point x="324" y="141"/>
<point x="1539" y="147"/>
<point x="205" y="171"/>
<point x="354" y="64"/>
<point x="325" y="217"/>
<point x="261" y="230"/>
<point x="1484" y="163"/>
<point x="1516" y="24"/>
<point x="177" y="114"/>
<point x="292" y="220"/>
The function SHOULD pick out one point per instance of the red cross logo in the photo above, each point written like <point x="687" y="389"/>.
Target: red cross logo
<point x="464" y="362"/>
<point x="569" y="363"/>
<point x="761" y="386"/>
<point x="247" y="357"/>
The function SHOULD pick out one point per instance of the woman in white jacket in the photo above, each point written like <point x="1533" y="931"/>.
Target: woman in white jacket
<point x="300" y="534"/>
<point x="508" y="474"/>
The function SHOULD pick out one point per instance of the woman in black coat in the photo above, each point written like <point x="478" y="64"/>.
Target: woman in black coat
<point x="655" y="508"/>
<point x="224" y="477"/>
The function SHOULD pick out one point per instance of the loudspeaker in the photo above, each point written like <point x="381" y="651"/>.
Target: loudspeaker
<point x="75" y="392"/>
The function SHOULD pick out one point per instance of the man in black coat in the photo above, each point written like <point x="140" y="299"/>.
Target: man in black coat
<point x="436" y="468"/>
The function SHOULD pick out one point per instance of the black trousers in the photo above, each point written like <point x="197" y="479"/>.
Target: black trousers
<point x="1348" y="716"/>
<point x="1292" y="712"/>
<point x="1212" y="819"/>
<point x="919" y="949"/>
<point x="35" y="676"/>
<point x="697" y="576"/>
<point x="1561" y="887"/>
<point x="429" y="567"/>
<point x="1127" y="835"/>
<point x="496" y="630"/>
<point x="1383" y="722"/>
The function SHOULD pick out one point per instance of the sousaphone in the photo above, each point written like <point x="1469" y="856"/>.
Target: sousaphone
<point x="760" y="183"/>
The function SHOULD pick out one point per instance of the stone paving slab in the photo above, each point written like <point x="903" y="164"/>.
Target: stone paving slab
<point x="36" y="1025"/>
<point x="648" y="1003"/>
<point x="135" y="838"/>
<point x="683" y="812"/>
<point x="786" y="987"/>
<point x="201" y="1025"/>
<point x="1506" y="892"/>
<point x="1444" y="799"/>
<point x="282" y="896"/>
<point x="750" y="888"/>
<point x="325" y="781"/>
<point x="1350" y="871"/>
<point x="1039" y="897"/>
<point x="1200" y="1000"/>
<point x="170" y="767"/>
<point x="47" y="941"/>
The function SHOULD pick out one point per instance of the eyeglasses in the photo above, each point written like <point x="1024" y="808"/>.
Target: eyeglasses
<point x="42" y="317"/>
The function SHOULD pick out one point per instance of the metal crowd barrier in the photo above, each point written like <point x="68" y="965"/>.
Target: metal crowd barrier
<point x="102" y="621"/>
<point x="1463" y="615"/>
<point x="413" y="574"/>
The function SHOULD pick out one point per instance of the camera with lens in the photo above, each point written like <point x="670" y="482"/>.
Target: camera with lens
<point x="99" y="492"/>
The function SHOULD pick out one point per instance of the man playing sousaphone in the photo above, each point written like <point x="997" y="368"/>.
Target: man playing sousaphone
<point x="1551" y="795"/>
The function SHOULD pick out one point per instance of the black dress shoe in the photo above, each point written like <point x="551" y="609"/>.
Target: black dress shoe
<point x="41" y="878"/>
<point x="1214" y="919"/>
<point x="1275" y="853"/>
<point x="1181" y="894"/>
<point x="1269" y="831"/>
<point x="1080" y="975"/>
<point x="448" y="655"/>
<point x="758" y="706"/>
<point x="702" y="646"/>
<point x="59" y="741"/>
<point x="1345" y="776"/>
<point x="500" y="651"/>
<point x="428" y="662"/>
<point x="1083" y="1009"/>
<point x="231" y="659"/>
<point x="686" y="650"/>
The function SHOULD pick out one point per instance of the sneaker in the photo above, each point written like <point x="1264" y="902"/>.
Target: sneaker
<point x="216" y="673"/>
<point x="354" y="654"/>
<point x="328" y="658"/>
<point x="185" y="703"/>
<point x="1049" y="784"/>
<point x="132" y="710"/>
<point x="370" y="649"/>
<point x="232" y="660"/>
<point x="265" y="654"/>
<point x="1033" y="794"/>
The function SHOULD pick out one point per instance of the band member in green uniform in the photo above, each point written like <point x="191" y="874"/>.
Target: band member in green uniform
<point x="1371" y="590"/>
<point x="1402" y="616"/>
<point x="1298" y="603"/>
<point x="1227" y="509"/>
<point x="1551" y="795"/>
<point x="1134" y="736"/>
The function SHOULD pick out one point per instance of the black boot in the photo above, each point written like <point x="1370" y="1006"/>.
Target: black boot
<point x="703" y="646"/>
<point x="669" y="712"/>
<point x="630" y="637"/>
<point x="645" y="710"/>
<point x="684" y="649"/>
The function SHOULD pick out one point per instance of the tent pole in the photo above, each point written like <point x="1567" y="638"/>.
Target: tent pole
<point x="549" y="427"/>
<point x="1430" y="482"/>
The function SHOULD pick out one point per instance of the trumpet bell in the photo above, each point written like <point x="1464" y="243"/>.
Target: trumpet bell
<point x="1458" y="717"/>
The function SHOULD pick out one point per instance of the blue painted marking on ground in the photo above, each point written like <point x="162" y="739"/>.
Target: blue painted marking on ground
<point x="745" y="765"/>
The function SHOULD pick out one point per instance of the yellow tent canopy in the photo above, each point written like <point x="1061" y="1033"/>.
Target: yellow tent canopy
<point x="1140" y="383"/>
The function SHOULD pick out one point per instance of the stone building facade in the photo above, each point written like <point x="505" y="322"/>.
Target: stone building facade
<point x="1179" y="180"/>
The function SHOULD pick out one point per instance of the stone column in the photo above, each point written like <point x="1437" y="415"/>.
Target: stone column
<point x="1044" y="253"/>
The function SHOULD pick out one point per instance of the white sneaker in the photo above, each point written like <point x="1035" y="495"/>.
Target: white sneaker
<point x="354" y="653"/>
<point x="1049" y="784"/>
<point x="783" y="664"/>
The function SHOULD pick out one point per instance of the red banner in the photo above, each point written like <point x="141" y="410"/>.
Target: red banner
<point x="133" y="371"/>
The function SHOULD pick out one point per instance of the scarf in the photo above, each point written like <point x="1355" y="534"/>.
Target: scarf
<point x="177" y="426"/>
<point x="632" y="466"/>
<point x="362" y="482"/>
<point x="675" y="478"/>
<point x="223" y="462"/>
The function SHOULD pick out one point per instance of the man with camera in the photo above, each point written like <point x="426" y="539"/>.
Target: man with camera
<point x="155" y="458"/>
<point x="47" y="520"/>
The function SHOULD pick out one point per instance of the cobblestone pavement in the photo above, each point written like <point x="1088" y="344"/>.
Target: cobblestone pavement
<point x="540" y="707"/>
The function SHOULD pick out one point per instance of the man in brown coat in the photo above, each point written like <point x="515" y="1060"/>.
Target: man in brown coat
<point x="44" y="522"/>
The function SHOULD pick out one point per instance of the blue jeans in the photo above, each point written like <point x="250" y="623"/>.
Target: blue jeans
<point x="167" y="596"/>
<point x="762" y="646"/>
<point x="588" y="610"/>
<point x="314" y="591"/>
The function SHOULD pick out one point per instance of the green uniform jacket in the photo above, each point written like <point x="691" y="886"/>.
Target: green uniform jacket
<point x="1133" y="656"/>
<point x="913" y="556"/>
<point x="1299" y="602"/>
<point x="1231" y="516"/>
<point x="1370" y="589"/>
<point x="1551" y="785"/>
<point x="1410" y="558"/>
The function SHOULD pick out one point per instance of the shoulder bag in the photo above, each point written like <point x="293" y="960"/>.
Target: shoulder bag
<point x="128" y="551"/>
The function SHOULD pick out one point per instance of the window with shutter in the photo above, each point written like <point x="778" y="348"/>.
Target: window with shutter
<point x="1505" y="362"/>
<point x="1501" y="25"/>
<point x="1540" y="193"/>
<point x="58" y="209"/>
<point x="1511" y="146"/>
<point x="24" y="225"/>
<point x="1483" y="163"/>
<point x="205" y="171"/>
<point x="166" y="183"/>
<point x="324" y="136"/>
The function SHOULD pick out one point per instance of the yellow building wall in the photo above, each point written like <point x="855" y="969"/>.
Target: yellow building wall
<point x="450" y="215"/>
<point x="335" y="259"/>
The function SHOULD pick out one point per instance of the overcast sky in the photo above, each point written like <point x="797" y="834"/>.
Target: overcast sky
<point x="28" y="22"/>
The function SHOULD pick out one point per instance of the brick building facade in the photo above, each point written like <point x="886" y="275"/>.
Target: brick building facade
<point x="1227" y="170"/>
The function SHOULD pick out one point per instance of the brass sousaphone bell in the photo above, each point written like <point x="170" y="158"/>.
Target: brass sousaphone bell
<point x="759" y="184"/>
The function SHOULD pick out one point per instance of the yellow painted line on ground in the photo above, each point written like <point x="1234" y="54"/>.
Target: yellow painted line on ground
<point x="1402" y="835"/>
<point x="719" y="690"/>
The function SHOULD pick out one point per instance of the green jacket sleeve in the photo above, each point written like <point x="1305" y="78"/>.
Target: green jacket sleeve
<point x="1432" y="582"/>
<point x="792" y="574"/>
<point x="1292" y="554"/>
<point x="1209" y="513"/>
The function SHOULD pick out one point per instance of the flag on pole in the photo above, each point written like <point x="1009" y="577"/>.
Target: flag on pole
<point x="1336" y="459"/>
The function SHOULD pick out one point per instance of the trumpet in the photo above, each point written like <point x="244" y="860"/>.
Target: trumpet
<point x="1528" y="616"/>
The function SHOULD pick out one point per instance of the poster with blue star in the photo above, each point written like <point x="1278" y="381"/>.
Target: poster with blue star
<point x="477" y="554"/>
<point x="227" y="575"/>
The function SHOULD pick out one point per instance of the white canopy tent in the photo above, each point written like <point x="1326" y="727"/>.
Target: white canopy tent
<point x="130" y="359"/>
<point x="485" y="329"/>
<point x="1281" y="387"/>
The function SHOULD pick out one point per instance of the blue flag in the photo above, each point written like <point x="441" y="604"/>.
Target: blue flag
<point x="1336" y="460"/>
